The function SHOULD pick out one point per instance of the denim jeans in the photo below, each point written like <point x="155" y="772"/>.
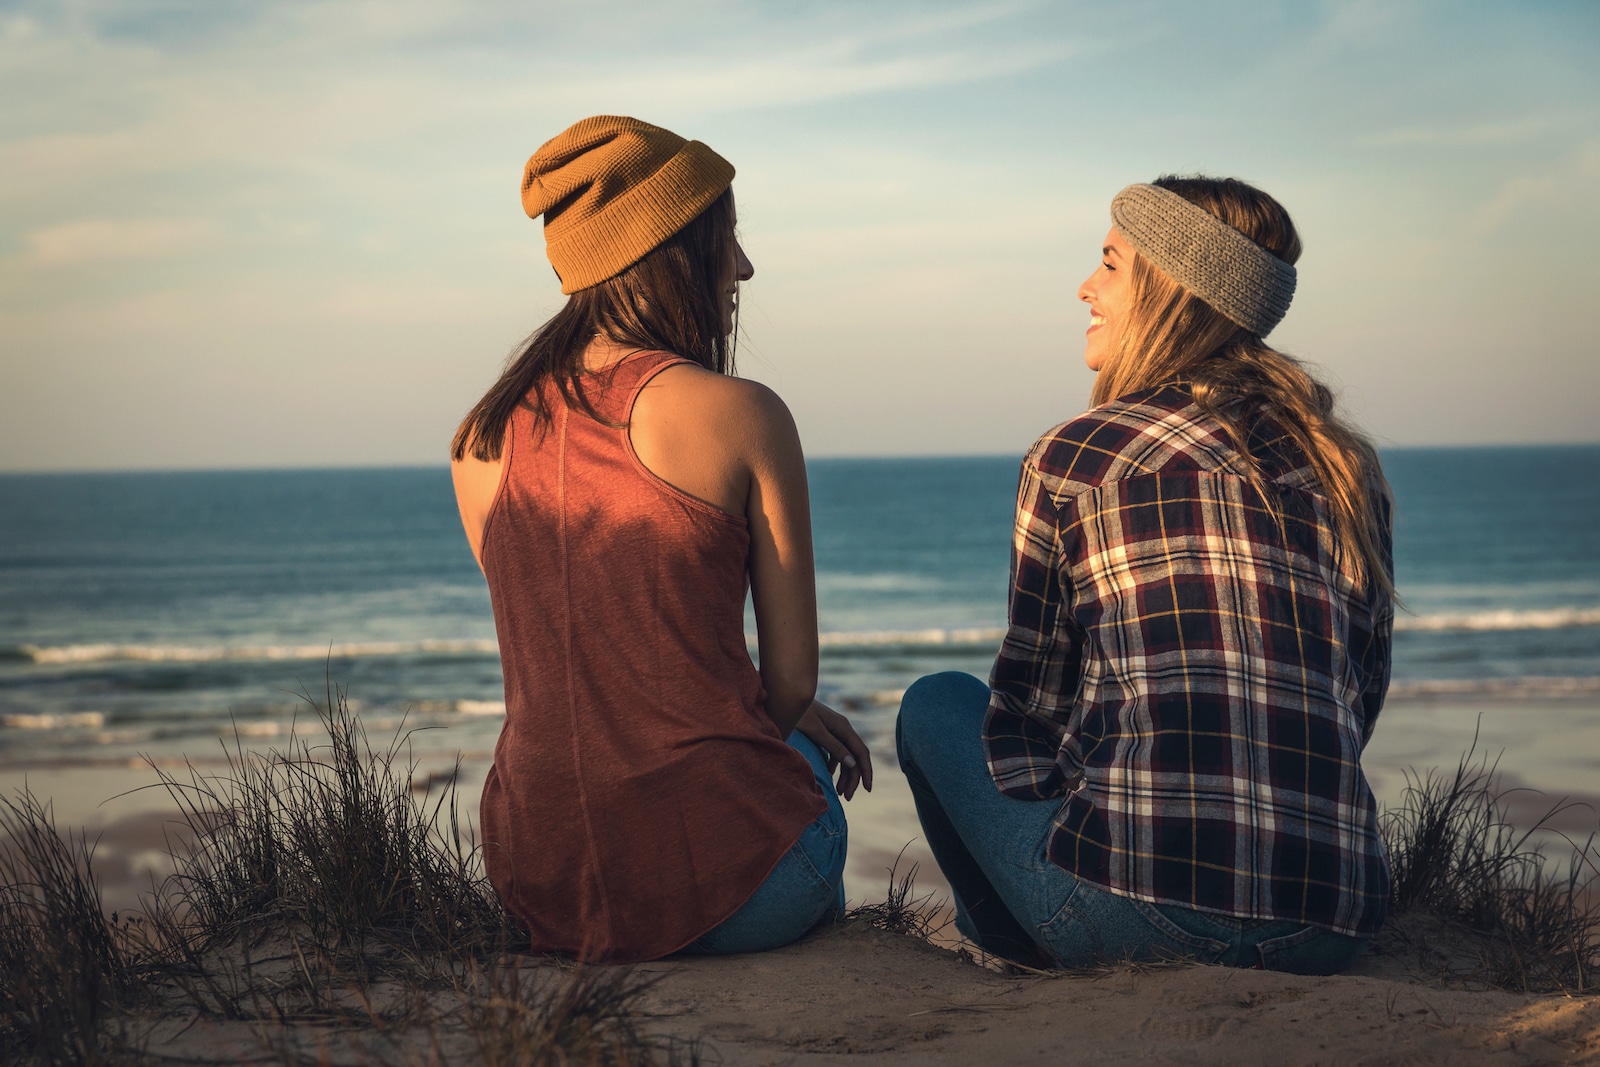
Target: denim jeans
<point x="804" y="888"/>
<point x="1013" y="902"/>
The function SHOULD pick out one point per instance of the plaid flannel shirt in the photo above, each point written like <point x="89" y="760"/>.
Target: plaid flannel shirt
<point x="1193" y="675"/>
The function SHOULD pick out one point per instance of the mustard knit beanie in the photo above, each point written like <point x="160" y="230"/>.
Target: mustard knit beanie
<point x="611" y="189"/>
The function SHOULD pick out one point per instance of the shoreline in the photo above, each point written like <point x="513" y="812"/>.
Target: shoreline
<point x="1550" y="762"/>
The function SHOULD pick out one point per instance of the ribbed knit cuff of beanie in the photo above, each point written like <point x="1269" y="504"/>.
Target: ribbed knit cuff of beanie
<point x="613" y="188"/>
<point x="1211" y="259"/>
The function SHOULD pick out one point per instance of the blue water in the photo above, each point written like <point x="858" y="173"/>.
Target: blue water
<point x="153" y="612"/>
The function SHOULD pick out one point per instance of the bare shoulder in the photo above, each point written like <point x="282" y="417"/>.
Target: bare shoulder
<point x="735" y="409"/>
<point x="720" y="390"/>
<point x="714" y="437"/>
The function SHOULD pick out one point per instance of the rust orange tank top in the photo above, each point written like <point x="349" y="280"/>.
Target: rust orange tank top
<point x="639" y="793"/>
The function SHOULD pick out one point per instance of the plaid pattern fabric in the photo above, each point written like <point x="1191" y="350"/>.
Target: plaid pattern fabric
<point x="1189" y="666"/>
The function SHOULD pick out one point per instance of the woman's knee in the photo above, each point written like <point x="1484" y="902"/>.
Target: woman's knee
<point x="937" y="706"/>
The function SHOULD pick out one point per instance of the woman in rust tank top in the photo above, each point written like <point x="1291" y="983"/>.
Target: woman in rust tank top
<point x="652" y="790"/>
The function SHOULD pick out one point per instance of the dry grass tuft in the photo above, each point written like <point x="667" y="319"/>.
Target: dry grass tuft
<point x="1478" y="900"/>
<point x="519" y="1016"/>
<point x="65" y="968"/>
<point x="328" y="840"/>
<point x="902" y="911"/>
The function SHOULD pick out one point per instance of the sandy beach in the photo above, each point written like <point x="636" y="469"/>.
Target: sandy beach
<point x="877" y="997"/>
<point x="858" y="995"/>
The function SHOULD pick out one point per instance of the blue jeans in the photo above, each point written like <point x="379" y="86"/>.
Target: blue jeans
<point x="805" y="887"/>
<point x="1013" y="902"/>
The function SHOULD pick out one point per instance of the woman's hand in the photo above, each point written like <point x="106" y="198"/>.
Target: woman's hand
<point x="840" y="743"/>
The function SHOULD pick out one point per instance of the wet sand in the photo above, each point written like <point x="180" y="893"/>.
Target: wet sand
<point x="1545" y="752"/>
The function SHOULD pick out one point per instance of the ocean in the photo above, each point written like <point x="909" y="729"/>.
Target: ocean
<point x="164" y="614"/>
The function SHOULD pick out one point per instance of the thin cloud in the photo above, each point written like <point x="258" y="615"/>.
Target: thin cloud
<point x="96" y="240"/>
<point x="1509" y="200"/>
<point x="1476" y="135"/>
<point x="801" y="76"/>
<point x="301" y="101"/>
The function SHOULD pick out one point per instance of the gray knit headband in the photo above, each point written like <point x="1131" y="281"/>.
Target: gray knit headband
<point x="1205" y="255"/>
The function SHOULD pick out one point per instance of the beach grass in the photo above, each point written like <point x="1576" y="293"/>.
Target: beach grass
<point x="66" y="970"/>
<point x="330" y="840"/>
<point x="516" y="1015"/>
<point x="311" y="885"/>
<point x="903" y="910"/>
<point x="318" y="885"/>
<point x="1478" y="898"/>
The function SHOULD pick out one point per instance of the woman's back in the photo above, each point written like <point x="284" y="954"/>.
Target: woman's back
<point x="640" y="791"/>
<point x="1198" y="642"/>
<point x="1220" y="669"/>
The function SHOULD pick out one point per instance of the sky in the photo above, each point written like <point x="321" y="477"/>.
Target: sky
<point x="288" y="234"/>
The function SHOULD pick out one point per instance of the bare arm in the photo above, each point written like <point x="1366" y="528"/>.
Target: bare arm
<point x="733" y="444"/>
<point x="782" y="573"/>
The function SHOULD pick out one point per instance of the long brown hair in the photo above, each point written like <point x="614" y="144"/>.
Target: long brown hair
<point x="667" y="301"/>
<point x="1170" y="334"/>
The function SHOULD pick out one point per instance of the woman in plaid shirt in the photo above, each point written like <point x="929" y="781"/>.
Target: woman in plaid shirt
<point x="1166" y="760"/>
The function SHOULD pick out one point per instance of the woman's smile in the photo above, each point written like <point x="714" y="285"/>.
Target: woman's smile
<point x="1106" y="293"/>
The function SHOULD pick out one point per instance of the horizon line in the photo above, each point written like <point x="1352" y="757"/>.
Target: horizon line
<point x="246" y="468"/>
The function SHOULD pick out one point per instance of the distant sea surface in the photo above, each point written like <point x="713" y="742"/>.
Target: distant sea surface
<point x="159" y="613"/>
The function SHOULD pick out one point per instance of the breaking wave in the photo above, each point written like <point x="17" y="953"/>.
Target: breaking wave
<point x="985" y="635"/>
<point x="978" y="636"/>
<point x="212" y="653"/>
<point x="57" y="721"/>
<point x="1530" y="619"/>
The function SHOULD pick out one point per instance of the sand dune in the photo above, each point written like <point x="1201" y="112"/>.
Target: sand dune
<point x="865" y="997"/>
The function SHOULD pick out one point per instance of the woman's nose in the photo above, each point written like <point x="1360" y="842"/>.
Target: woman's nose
<point x="744" y="269"/>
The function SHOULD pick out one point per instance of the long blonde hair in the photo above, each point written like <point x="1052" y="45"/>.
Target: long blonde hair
<point x="1170" y="334"/>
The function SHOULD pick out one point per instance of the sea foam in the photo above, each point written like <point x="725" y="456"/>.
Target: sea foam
<point x="976" y="636"/>
<point x="1529" y="619"/>
<point x="58" y="721"/>
<point x="66" y="654"/>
